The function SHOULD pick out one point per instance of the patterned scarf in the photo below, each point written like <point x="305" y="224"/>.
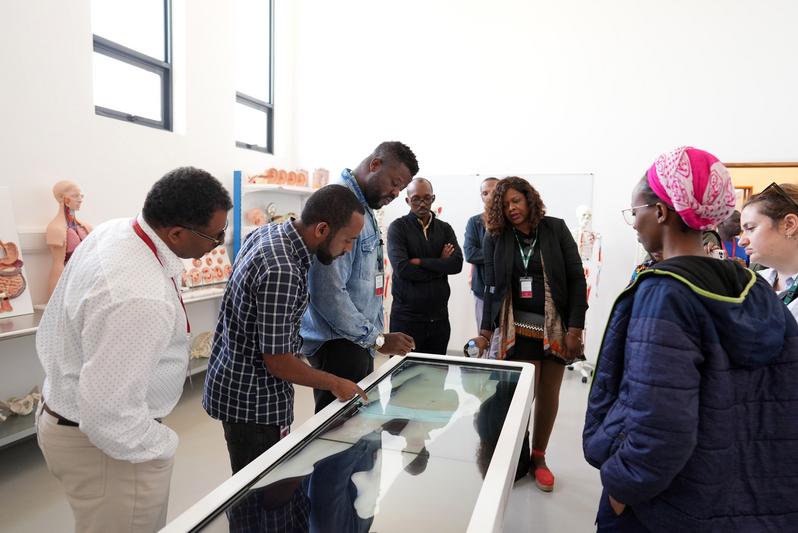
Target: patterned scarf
<point x="553" y="330"/>
<point x="695" y="184"/>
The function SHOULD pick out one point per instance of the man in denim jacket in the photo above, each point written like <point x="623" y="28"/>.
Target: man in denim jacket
<point x="343" y="325"/>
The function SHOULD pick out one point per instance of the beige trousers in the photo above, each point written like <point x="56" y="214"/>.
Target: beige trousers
<point x="105" y="494"/>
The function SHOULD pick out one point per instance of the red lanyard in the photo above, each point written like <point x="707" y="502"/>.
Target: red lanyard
<point x="151" y="245"/>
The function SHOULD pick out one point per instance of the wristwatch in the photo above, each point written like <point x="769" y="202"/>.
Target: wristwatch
<point x="379" y="341"/>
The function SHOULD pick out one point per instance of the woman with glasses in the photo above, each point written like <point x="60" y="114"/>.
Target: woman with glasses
<point x="536" y="296"/>
<point x="770" y="236"/>
<point x="692" y="415"/>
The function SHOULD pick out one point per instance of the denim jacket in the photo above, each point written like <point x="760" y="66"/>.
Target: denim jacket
<point x="343" y="303"/>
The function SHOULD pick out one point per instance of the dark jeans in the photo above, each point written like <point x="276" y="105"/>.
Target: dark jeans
<point x="609" y="522"/>
<point x="341" y="358"/>
<point x="246" y="441"/>
<point x="429" y="336"/>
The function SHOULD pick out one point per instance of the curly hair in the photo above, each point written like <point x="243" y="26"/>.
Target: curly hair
<point x="494" y="218"/>
<point x="186" y="197"/>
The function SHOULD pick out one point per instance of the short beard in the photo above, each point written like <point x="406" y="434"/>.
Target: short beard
<point x="323" y="252"/>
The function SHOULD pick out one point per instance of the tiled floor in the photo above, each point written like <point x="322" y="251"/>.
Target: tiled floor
<point x="31" y="500"/>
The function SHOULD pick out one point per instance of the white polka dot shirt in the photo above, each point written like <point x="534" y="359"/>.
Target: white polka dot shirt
<point x="113" y="342"/>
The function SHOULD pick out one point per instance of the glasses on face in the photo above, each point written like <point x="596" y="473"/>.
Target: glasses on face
<point x="217" y="241"/>
<point x="781" y="192"/>
<point x="630" y="214"/>
<point x="418" y="200"/>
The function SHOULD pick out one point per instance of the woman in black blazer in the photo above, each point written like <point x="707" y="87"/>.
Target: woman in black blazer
<point x="535" y="294"/>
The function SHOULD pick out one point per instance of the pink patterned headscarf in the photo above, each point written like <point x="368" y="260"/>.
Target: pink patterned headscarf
<point x="695" y="184"/>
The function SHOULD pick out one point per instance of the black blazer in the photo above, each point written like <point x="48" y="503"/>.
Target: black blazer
<point x="563" y="268"/>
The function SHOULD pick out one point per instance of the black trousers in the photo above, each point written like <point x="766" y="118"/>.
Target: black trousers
<point x="246" y="441"/>
<point x="429" y="336"/>
<point x="341" y="358"/>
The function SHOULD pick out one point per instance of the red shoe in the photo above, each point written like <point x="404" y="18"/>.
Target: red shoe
<point x="544" y="479"/>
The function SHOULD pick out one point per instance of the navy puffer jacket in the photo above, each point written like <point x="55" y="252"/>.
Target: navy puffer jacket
<point x="693" y="414"/>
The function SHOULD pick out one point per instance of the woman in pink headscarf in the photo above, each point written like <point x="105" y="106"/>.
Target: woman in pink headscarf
<point x="692" y="413"/>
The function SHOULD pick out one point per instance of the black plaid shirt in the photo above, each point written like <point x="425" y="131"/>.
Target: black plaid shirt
<point x="261" y="311"/>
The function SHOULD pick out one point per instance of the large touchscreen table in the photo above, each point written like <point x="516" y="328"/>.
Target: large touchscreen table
<point x="433" y="449"/>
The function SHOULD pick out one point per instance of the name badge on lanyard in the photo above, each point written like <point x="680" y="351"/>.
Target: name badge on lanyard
<point x="526" y="287"/>
<point x="379" y="284"/>
<point x="526" y="281"/>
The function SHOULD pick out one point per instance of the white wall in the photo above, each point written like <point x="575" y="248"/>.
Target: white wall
<point x="49" y="130"/>
<point x="541" y="86"/>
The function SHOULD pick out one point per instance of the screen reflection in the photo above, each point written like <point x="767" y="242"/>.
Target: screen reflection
<point x="420" y="445"/>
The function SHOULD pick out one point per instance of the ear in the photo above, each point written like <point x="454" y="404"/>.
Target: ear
<point x="662" y="213"/>
<point x="174" y="233"/>
<point x="407" y="200"/>
<point x="321" y="230"/>
<point x="433" y="199"/>
<point x="375" y="164"/>
<point x="791" y="225"/>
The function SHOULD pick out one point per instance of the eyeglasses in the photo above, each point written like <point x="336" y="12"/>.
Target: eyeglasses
<point x="781" y="192"/>
<point x="630" y="214"/>
<point x="418" y="200"/>
<point x="217" y="241"/>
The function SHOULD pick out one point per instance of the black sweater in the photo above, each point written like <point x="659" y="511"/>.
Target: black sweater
<point x="562" y="265"/>
<point x="421" y="292"/>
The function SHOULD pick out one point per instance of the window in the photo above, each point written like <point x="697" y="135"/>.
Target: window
<point x="254" y="64"/>
<point x="132" y="61"/>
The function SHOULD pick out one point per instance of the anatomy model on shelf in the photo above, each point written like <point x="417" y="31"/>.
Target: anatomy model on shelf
<point x="213" y="267"/>
<point x="273" y="176"/>
<point x="65" y="232"/>
<point x="20" y="406"/>
<point x="261" y="216"/>
<point x="14" y="289"/>
<point x="12" y="282"/>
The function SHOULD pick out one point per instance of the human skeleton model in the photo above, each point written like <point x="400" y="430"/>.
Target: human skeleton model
<point x="65" y="232"/>
<point x="589" y="244"/>
<point x="12" y="283"/>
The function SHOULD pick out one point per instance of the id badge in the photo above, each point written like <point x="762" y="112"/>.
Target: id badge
<point x="379" y="284"/>
<point x="526" y="287"/>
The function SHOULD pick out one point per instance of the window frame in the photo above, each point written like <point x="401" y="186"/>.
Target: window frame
<point x="266" y="107"/>
<point x="163" y="68"/>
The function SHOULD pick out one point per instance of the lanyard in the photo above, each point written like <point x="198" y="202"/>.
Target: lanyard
<point x="151" y="245"/>
<point x="789" y="296"/>
<point x="525" y="257"/>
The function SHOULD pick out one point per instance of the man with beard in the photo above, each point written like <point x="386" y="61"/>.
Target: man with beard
<point x="423" y="251"/>
<point x="253" y="363"/>
<point x="343" y="325"/>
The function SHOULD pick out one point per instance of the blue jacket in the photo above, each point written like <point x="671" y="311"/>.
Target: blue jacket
<point x="472" y="252"/>
<point x="343" y="301"/>
<point x="693" y="413"/>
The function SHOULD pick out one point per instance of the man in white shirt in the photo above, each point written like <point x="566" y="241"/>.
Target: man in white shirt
<point x="114" y="343"/>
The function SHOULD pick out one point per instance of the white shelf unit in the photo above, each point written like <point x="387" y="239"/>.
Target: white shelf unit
<point x="248" y="195"/>
<point x="20" y="368"/>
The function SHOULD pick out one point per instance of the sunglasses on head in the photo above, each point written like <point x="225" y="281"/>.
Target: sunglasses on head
<point x="780" y="192"/>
